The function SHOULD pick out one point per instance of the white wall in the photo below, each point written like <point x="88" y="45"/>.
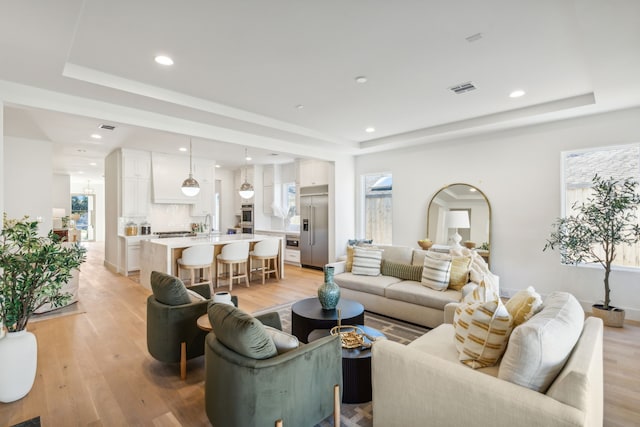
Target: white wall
<point x="61" y="192"/>
<point x="27" y="175"/>
<point x="2" y="159"/>
<point x="519" y="172"/>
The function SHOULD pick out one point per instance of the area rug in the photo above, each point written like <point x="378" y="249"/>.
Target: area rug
<point x="33" y="422"/>
<point x="360" y="414"/>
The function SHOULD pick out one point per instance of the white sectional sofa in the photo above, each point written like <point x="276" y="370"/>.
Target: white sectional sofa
<point x="438" y="390"/>
<point x="391" y="296"/>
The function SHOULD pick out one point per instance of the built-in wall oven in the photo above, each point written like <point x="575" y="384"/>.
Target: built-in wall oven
<point x="292" y="242"/>
<point x="246" y="218"/>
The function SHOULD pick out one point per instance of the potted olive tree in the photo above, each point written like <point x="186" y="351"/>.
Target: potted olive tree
<point x="33" y="270"/>
<point x="602" y="223"/>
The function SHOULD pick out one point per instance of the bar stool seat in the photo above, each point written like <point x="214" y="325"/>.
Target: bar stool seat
<point x="235" y="256"/>
<point x="199" y="257"/>
<point x="266" y="251"/>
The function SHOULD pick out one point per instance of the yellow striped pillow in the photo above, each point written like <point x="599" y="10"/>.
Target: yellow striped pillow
<point x="459" y="272"/>
<point x="482" y="331"/>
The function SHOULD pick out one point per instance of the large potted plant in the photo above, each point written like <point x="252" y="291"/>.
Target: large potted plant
<point x="33" y="270"/>
<point x="603" y="223"/>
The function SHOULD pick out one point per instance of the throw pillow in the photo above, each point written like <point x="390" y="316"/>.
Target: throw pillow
<point x="283" y="341"/>
<point x="348" y="266"/>
<point x="194" y="296"/>
<point x="168" y="289"/>
<point x="402" y="271"/>
<point x="459" y="272"/>
<point x="359" y="242"/>
<point x="523" y="305"/>
<point x="366" y="262"/>
<point x="241" y="332"/>
<point x="481" y="332"/>
<point x="436" y="271"/>
<point x="539" y="348"/>
<point x="487" y="290"/>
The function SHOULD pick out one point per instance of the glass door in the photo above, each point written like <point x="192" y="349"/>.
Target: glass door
<point x="84" y="215"/>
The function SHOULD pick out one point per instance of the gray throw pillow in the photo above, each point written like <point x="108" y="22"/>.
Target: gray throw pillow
<point x="168" y="289"/>
<point x="241" y="332"/>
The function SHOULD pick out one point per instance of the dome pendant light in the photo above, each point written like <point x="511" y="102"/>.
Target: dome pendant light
<point x="190" y="186"/>
<point x="246" y="189"/>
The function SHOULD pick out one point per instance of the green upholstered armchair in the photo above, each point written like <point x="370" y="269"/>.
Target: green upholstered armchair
<point x="172" y="332"/>
<point x="299" y="387"/>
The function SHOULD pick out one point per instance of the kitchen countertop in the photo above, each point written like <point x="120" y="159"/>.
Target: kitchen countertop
<point x="291" y="233"/>
<point x="183" y="242"/>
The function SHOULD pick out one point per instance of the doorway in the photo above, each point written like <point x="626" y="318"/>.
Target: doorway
<point x="84" y="214"/>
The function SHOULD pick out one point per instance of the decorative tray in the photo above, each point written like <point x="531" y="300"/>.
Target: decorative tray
<point x="351" y="336"/>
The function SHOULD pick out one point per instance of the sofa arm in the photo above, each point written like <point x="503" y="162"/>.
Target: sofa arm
<point x="431" y="389"/>
<point x="449" y="311"/>
<point x="338" y="266"/>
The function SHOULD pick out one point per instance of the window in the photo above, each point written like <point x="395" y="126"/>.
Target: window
<point x="378" y="207"/>
<point x="292" y="219"/>
<point x="579" y="167"/>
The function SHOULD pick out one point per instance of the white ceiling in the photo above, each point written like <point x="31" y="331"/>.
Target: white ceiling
<point x="242" y="67"/>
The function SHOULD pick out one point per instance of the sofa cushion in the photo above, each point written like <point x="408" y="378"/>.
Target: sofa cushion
<point x="539" y="348"/>
<point x="371" y="284"/>
<point x="459" y="272"/>
<point x="418" y="257"/>
<point x="436" y="271"/>
<point x="283" y="341"/>
<point x="438" y="342"/>
<point x="169" y="289"/>
<point x="487" y="290"/>
<point x="402" y="271"/>
<point x="523" y="305"/>
<point x="481" y="332"/>
<point x="241" y="332"/>
<point x="366" y="262"/>
<point x="414" y="293"/>
<point x="401" y="254"/>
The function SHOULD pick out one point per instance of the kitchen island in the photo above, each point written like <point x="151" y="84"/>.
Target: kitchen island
<point x="163" y="254"/>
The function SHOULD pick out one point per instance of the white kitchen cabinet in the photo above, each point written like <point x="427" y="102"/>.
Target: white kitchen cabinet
<point x="136" y="197"/>
<point x="267" y="199"/>
<point x="292" y="256"/>
<point x="313" y="172"/>
<point x="268" y="175"/>
<point x="204" y="173"/>
<point x="168" y="172"/>
<point x="136" y="164"/>
<point x="133" y="257"/>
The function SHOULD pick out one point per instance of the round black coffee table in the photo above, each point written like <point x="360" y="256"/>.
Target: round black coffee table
<point x="356" y="366"/>
<point x="307" y="315"/>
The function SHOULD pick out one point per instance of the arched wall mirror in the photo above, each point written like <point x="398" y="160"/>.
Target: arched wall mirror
<point x="461" y="197"/>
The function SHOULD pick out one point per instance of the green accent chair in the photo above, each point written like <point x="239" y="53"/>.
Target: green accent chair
<point x="299" y="387"/>
<point x="172" y="332"/>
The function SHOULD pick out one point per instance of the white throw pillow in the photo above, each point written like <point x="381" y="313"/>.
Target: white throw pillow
<point x="284" y="342"/>
<point x="481" y="332"/>
<point x="366" y="262"/>
<point x="487" y="290"/>
<point x="436" y="271"/>
<point x="194" y="296"/>
<point x="539" y="348"/>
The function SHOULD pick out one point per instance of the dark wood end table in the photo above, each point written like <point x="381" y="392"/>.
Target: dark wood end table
<point x="356" y="366"/>
<point x="307" y="315"/>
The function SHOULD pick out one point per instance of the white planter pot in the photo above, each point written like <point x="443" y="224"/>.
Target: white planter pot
<point x="223" y="298"/>
<point x="18" y="364"/>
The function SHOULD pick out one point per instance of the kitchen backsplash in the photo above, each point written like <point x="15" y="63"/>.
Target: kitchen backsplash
<point x="165" y="217"/>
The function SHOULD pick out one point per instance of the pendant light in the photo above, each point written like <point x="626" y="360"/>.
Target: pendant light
<point x="190" y="186"/>
<point x="246" y="189"/>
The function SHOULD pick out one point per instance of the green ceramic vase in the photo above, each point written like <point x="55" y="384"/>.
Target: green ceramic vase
<point x="328" y="292"/>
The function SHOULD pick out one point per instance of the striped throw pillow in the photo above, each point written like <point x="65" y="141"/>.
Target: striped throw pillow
<point x="482" y="331"/>
<point x="366" y="262"/>
<point x="436" y="271"/>
<point x="402" y="271"/>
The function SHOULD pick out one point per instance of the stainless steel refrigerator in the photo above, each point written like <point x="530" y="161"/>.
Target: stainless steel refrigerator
<point x="314" y="230"/>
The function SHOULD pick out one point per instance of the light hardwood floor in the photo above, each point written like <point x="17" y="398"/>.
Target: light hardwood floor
<point x="94" y="368"/>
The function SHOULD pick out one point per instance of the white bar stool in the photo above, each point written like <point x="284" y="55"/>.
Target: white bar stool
<point x="199" y="257"/>
<point x="234" y="255"/>
<point x="266" y="251"/>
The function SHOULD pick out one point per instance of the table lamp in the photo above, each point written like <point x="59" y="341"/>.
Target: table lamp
<point x="457" y="219"/>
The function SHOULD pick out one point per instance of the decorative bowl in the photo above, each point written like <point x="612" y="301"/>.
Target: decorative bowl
<point x="469" y="245"/>
<point x="425" y="244"/>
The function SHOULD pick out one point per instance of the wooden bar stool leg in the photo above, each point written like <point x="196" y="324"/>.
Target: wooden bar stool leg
<point x="262" y="273"/>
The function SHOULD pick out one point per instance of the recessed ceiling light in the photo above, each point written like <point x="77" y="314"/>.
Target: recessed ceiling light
<point x="299" y="106"/>
<point x="516" y="93"/>
<point x="248" y="159"/>
<point x="93" y="164"/>
<point x="361" y="79"/>
<point x="182" y="149"/>
<point x="163" y="60"/>
<point x="370" y="130"/>
<point x="96" y="136"/>
<point x="80" y="172"/>
<point x="218" y="166"/>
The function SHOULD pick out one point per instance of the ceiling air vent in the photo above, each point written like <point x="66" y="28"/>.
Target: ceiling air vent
<point x="462" y="88"/>
<point x="107" y="127"/>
